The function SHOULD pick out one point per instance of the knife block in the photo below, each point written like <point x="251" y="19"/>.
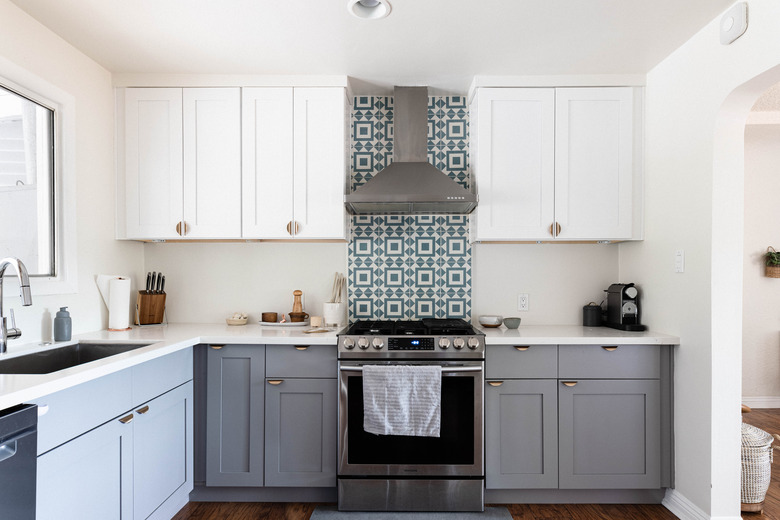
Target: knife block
<point x="149" y="308"/>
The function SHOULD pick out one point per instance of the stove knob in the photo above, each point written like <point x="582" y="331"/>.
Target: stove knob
<point x="349" y="343"/>
<point x="458" y="343"/>
<point x="444" y="343"/>
<point x="378" y="343"/>
<point x="473" y="343"/>
<point x="363" y="343"/>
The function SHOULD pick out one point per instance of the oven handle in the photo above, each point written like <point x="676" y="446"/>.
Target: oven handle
<point x="443" y="369"/>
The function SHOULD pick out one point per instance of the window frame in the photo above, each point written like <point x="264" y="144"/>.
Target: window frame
<point x="29" y="85"/>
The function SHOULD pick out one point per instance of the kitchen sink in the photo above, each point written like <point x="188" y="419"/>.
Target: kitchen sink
<point x="49" y="361"/>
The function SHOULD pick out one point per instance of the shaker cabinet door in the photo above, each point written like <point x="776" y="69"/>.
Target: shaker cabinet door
<point x="301" y="432"/>
<point x="234" y="415"/>
<point x="521" y="434"/>
<point x="154" y="175"/>
<point x="609" y="434"/>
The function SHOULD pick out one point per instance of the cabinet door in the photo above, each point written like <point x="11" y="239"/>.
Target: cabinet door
<point x="153" y="162"/>
<point x="162" y="449"/>
<point x="267" y="164"/>
<point x="234" y="415"/>
<point x="301" y="432"/>
<point x="521" y="434"/>
<point x="88" y="477"/>
<point x="610" y="434"/>
<point x="514" y="163"/>
<point x="319" y="162"/>
<point x="594" y="163"/>
<point x="212" y="163"/>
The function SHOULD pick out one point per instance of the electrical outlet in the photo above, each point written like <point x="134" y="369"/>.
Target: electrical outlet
<point x="522" y="302"/>
<point x="679" y="261"/>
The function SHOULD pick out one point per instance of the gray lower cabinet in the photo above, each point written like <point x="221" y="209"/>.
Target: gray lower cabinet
<point x="124" y="469"/>
<point x="610" y="434"/>
<point x="301" y="432"/>
<point x="234" y="415"/>
<point x="521" y="434"/>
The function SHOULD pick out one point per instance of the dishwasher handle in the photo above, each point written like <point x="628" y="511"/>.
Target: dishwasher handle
<point x="8" y="449"/>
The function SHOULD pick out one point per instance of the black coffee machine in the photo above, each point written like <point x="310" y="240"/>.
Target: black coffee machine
<point x="623" y="310"/>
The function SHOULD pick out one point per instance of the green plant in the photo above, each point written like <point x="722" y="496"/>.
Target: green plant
<point x="772" y="256"/>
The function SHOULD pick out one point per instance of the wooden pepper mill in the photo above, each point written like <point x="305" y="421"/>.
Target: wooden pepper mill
<point x="297" y="305"/>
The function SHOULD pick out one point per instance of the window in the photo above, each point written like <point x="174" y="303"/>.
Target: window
<point x="27" y="227"/>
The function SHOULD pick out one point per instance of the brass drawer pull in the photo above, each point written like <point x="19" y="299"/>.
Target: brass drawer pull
<point x="610" y="349"/>
<point x="301" y="347"/>
<point x="569" y="383"/>
<point x="217" y="347"/>
<point x="275" y="382"/>
<point x="143" y="410"/>
<point x="495" y="383"/>
<point x="522" y="348"/>
<point x="126" y="419"/>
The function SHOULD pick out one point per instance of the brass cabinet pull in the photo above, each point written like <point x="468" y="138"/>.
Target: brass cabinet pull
<point x="495" y="383"/>
<point x="610" y="349"/>
<point x="275" y="381"/>
<point x="289" y="228"/>
<point x="557" y="229"/>
<point x="569" y="383"/>
<point x="217" y="347"/>
<point x="297" y="227"/>
<point x="181" y="228"/>
<point x="301" y="347"/>
<point x="143" y="410"/>
<point x="522" y="348"/>
<point x="126" y="419"/>
<point x="551" y="230"/>
<point x="178" y="228"/>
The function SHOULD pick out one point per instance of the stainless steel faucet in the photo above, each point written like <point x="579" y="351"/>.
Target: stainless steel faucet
<point x="24" y="292"/>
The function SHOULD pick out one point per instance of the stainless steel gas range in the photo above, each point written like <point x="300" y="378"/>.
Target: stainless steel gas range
<point x="406" y="473"/>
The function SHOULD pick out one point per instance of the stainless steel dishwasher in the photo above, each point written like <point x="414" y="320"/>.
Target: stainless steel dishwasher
<point x="18" y="458"/>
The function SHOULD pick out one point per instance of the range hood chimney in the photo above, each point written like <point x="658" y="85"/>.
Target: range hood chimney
<point x="410" y="184"/>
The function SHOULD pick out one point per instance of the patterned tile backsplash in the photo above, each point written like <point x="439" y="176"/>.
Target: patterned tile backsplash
<point x="409" y="266"/>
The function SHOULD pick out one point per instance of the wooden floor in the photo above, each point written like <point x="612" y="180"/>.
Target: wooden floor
<point x="768" y="419"/>
<point x="296" y="511"/>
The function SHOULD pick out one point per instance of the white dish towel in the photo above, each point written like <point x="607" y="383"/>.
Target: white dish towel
<point x="402" y="400"/>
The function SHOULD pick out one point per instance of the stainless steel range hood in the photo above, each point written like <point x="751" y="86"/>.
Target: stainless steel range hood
<point x="411" y="184"/>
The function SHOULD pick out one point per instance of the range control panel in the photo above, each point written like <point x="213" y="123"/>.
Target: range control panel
<point x="410" y="343"/>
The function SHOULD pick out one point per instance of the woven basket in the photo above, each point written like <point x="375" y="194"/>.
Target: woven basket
<point x="772" y="271"/>
<point x="756" y="464"/>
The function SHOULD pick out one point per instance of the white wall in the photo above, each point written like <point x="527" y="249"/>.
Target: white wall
<point x="696" y="106"/>
<point x="29" y="49"/>
<point x="761" y="296"/>
<point x="209" y="282"/>
<point x="559" y="279"/>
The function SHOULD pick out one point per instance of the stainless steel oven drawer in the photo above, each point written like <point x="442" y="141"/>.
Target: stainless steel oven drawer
<point x="521" y="362"/>
<point x="289" y="361"/>
<point x="609" y="361"/>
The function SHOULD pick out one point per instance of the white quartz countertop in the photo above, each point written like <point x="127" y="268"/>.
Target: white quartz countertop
<point x="166" y="339"/>
<point x="163" y="339"/>
<point x="572" y="335"/>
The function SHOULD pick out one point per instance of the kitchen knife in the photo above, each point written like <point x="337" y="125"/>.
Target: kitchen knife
<point x="154" y="281"/>
<point x="148" y="282"/>
<point x="158" y="287"/>
<point x="162" y="285"/>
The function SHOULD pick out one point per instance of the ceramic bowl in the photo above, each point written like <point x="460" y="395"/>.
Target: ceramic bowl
<point x="236" y="321"/>
<point x="490" y="320"/>
<point x="511" y="323"/>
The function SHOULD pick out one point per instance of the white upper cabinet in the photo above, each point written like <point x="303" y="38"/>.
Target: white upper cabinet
<point x="557" y="164"/>
<point x="294" y="163"/>
<point x="182" y="163"/>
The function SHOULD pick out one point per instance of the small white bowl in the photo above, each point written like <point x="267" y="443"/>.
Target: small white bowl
<point x="490" y="320"/>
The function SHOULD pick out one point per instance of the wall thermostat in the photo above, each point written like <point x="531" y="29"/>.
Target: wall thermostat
<point x="734" y="23"/>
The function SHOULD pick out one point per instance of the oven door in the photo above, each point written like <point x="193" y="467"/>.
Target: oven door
<point x="457" y="452"/>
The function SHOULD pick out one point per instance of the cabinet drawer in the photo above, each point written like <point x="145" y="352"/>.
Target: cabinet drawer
<point x="521" y="362"/>
<point x="300" y="361"/>
<point x="73" y="411"/>
<point x="159" y="375"/>
<point x="610" y="361"/>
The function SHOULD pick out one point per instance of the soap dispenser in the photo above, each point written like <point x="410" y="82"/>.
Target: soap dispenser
<point x="63" y="325"/>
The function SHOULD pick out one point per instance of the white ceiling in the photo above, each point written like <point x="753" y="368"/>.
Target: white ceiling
<point x="441" y="43"/>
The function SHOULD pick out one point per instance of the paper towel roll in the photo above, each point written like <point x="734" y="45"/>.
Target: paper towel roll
<point x="119" y="304"/>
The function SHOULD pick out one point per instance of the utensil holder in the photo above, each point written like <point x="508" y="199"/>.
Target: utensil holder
<point x="149" y="308"/>
<point x="334" y="314"/>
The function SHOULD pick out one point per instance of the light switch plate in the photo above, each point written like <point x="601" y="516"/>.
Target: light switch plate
<point x="679" y="261"/>
<point x="734" y="23"/>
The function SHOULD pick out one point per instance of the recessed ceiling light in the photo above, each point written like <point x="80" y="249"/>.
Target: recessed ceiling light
<point x="369" y="9"/>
